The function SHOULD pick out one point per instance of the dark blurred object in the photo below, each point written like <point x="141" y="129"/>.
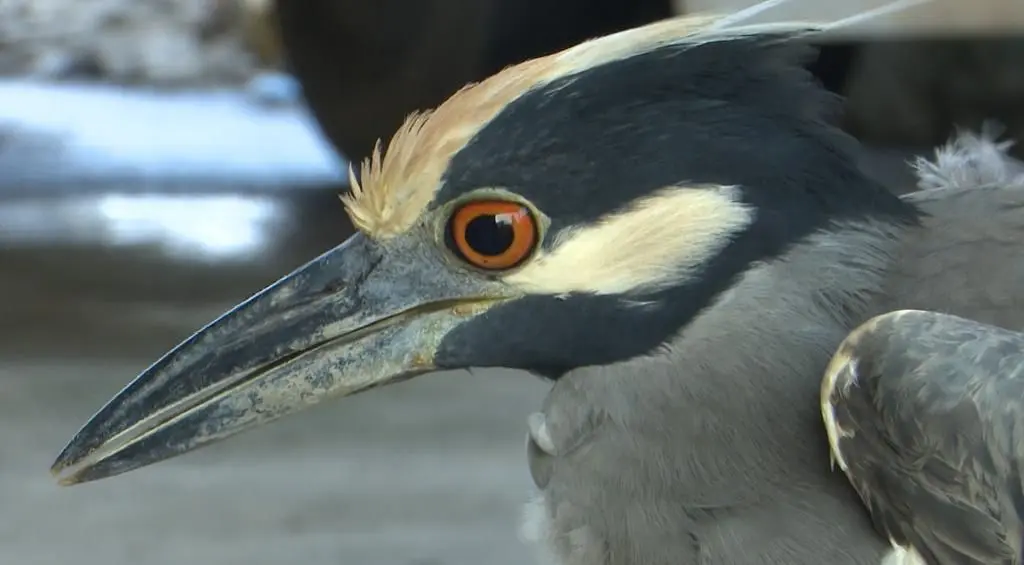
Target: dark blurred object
<point x="524" y="29"/>
<point x="832" y="66"/>
<point x="914" y="93"/>
<point x="260" y="31"/>
<point x="365" y="65"/>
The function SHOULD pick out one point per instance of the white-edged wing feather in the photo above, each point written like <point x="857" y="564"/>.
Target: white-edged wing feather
<point x="925" y="415"/>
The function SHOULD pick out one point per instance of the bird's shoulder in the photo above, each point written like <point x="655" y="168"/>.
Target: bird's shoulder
<point x="924" y="413"/>
<point x="966" y="257"/>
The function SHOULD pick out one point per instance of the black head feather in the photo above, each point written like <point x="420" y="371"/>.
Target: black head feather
<point x="741" y="111"/>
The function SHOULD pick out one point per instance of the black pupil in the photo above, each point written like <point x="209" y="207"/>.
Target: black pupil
<point x="490" y="234"/>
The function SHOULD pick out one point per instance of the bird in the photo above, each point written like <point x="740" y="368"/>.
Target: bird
<point x="757" y="353"/>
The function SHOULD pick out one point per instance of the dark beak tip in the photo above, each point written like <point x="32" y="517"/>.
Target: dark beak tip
<point x="67" y="476"/>
<point x="58" y="471"/>
<point x="76" y="477"/>
<point x="68" y="481"/>
<point x="62" y="462"/>
<point x="74" y="452"/>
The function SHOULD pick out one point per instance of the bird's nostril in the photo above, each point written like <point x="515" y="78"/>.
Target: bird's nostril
<point x="333" y="288"/>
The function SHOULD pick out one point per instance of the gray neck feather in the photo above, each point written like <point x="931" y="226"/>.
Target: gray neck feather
<point x="739" y="385"/>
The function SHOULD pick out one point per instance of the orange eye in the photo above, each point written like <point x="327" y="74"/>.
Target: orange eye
<point x="493" y="234"/>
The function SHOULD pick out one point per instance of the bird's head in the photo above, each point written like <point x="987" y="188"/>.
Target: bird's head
<point x="573" y="210"/>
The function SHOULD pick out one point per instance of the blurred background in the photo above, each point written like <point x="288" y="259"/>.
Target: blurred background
<point x="160" y="160"/>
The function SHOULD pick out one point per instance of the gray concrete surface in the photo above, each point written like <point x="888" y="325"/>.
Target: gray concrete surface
<point x="429" y="472"/>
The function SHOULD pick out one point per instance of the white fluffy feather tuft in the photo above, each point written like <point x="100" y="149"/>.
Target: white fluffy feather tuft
<point x="971" y="160"/>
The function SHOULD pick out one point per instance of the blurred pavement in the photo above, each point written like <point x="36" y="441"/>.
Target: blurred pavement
<point x="429" y="472"/>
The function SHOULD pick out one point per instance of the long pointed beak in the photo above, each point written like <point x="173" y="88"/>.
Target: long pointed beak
<point x="359" y="316"/>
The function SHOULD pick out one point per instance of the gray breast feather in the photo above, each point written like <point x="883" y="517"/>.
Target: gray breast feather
<point x="925" y="415"/>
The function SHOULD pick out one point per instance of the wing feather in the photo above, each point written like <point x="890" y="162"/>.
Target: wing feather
<point x="925" y="416"/>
